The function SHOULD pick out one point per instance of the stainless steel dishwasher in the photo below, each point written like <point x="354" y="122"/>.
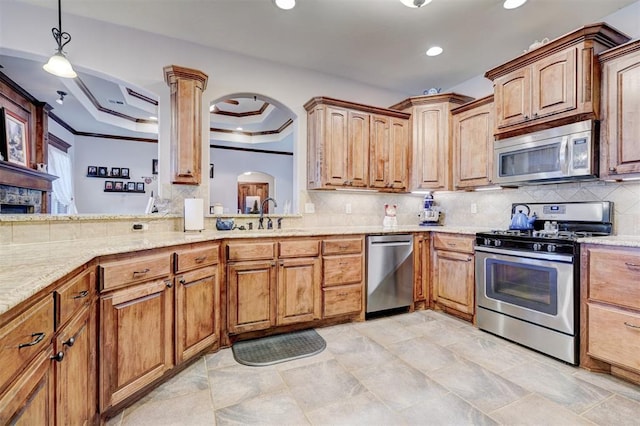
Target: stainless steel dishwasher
<point x="389" y="272"/>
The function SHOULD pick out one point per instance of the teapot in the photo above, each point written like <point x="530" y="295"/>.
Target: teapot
<point x="522" y="221"/>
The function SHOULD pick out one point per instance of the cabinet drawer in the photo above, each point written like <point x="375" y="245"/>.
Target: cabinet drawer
<point x="614" y="336"/>
<point x="342" y="300"/>
<point x="342" y="270"/>
<point x="344" y="246"/>
<point x="24" y="337"/>
<point x="452" y="242"/>
<point x="196" y="257"/>
<point x="250" y="251"/>
<point x="72" y="296"/>
<point x="120" y="273"/>
<point x="299" y="248"/>
<point x="614" y="276"/>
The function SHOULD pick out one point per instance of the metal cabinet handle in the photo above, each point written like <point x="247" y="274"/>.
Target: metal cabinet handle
<point x="70" y="342"/>
<point x="38" y="339"/>
<point x="137" y="274"/>
<point x="58" y="357"/>
<point x="451" y="244"/>
<point x="469" y="259"/>
<point x="342" y="294"/>
<point x="631" y="325"/>
<point x="200" y="259"/>
<point x="82" y="294"/>
<point x="632" y="265"/>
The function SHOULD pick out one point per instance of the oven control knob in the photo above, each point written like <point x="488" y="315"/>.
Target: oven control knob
<point x="551" y="248"/>
<point x="497" y="243"/>
<point x="537" y="246"/>
<point x="487" y="241"/>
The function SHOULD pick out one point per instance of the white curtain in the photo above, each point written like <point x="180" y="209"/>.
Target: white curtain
<point x="60" y="165"/>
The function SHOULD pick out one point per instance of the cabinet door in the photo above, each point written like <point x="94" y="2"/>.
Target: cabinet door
<point x="336" y="146"/>
<point x="453" y="280"/>
<point x="197" y="312"/>
<point x="30" y="400"/>
<point x="473" y="146"/>
<point x="554" y="84"/>
<point x="136" y="339"/>
<point x="299" y="297"/>
<point x="379" y="152"/>
<point x="399" y="154"/>
<point x="621" y="129"/>
<point x="421" y="267"/>
<point x="513" y="98"/>
<point x="252" y="297"/>
<point x="430" y="148"/>
<point x="357" y="160"/>
<point x="76" y="392"/>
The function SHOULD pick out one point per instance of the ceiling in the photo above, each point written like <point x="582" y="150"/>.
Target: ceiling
<point x="377" y="42"/>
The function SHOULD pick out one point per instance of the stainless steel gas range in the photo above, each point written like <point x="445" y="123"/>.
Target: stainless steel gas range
<point x="527" y="281"/>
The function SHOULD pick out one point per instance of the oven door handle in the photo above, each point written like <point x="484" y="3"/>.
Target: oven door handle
<point x="567" y="258"/>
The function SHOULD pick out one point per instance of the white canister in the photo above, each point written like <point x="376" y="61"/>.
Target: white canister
<point x="218" y="209"/>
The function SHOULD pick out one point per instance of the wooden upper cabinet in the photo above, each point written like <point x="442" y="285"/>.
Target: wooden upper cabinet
<point x="552" y="85"/>
<point x="186" y="87"/>
<point x="620" y="129"/>
<point x="354" y="146"/>
<point x="430" y="141"/>
<point x="473" y="143"/>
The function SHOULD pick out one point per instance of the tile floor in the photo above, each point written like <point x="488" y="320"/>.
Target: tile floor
<point x="421" y="368"/>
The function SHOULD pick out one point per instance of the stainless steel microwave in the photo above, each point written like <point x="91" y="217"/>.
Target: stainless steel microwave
<point x="561" y="153"/>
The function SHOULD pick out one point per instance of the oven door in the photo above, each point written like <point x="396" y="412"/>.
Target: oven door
<point x="534" y="287"/>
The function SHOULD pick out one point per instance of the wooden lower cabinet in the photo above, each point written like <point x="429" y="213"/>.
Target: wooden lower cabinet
<point x="31" y="398"/>
<point x="298" y="290"/>
<point x="610" y="310"/>
<point x="251" y="292"/>
<point x="453" y="274"/>
<point x="422" y="271"/>
<point x="76" y="396"/>
<point x="197" y="318"/>
<point x="343" y="277"/>
<point x="136" y="339"/>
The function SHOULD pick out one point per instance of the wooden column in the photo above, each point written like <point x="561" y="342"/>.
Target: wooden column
<point x="186" y="86"/>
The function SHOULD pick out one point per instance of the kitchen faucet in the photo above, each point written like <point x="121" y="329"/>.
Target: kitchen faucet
<point x="260" y="221"/>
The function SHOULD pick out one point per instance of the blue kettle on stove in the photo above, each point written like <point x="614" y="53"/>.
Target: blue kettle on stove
<point x="521" y="221"/>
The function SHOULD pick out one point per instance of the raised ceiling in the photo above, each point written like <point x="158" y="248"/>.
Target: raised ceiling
<point x="377" y="42"/>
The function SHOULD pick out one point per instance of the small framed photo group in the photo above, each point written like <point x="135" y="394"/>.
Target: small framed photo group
<point x="119" y="186"/>
<point x="100" y="171"/>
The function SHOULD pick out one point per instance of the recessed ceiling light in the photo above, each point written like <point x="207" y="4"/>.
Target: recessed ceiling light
<point x="415" y="3"/>
<point x="213" y="108"/>
<point x="512" y="4"/>
<point x="238" y="128"/>
<point x="153" y="118"/>
<point x="434" y="51"/>
<point x="285" y="4"/>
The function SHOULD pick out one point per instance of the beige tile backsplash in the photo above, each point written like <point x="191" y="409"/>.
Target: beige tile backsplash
<point x="493" y="211"/>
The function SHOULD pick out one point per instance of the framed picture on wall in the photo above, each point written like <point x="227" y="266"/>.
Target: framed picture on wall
<point x="124" y="172"/>
<point x="16" y="138"/>
<point x="154" y="166"/>
<point x="211" y="171"/>
<point x="140" y="186"/>
<point x="115" y="171"/>
<point x="108" y="185"/>
<point x="117" y="186"/>
<point x="102" y="171"/>
<point x="131" y="186"/>
<point x="92" y="171"/>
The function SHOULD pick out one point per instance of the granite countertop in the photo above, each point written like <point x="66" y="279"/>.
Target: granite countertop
<point x="25" y="269"/>
<point x="613" y="240"/>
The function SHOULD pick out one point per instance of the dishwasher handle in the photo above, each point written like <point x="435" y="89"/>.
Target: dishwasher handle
<point x="391" y="243"/>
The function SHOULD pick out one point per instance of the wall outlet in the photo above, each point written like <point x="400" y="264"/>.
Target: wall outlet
<point x="474" y="208"/>
<point x="347" y="208"/>
<point x="140" y="226"/>
<point x="309" y="208"/>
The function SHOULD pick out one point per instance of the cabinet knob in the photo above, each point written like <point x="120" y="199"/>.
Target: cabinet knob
<point x="168" y="283"/>
<point x="58" y="357"/>
<point x="526" y="117"/>
<point x="612" y="169"/>
<point x="70" y="342"/>
<point x="182" y="281"/>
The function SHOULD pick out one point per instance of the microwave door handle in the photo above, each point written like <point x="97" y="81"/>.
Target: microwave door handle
<point x="563" y="156"/>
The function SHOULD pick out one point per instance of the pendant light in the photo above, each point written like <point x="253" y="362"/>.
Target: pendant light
<point x="58" y="63"/>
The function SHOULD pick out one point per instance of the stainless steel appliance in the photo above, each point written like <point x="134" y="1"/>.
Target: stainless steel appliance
<point x="527" y="282"/>
<point x="558" y="154"/>
<point x="389" y="272"/>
